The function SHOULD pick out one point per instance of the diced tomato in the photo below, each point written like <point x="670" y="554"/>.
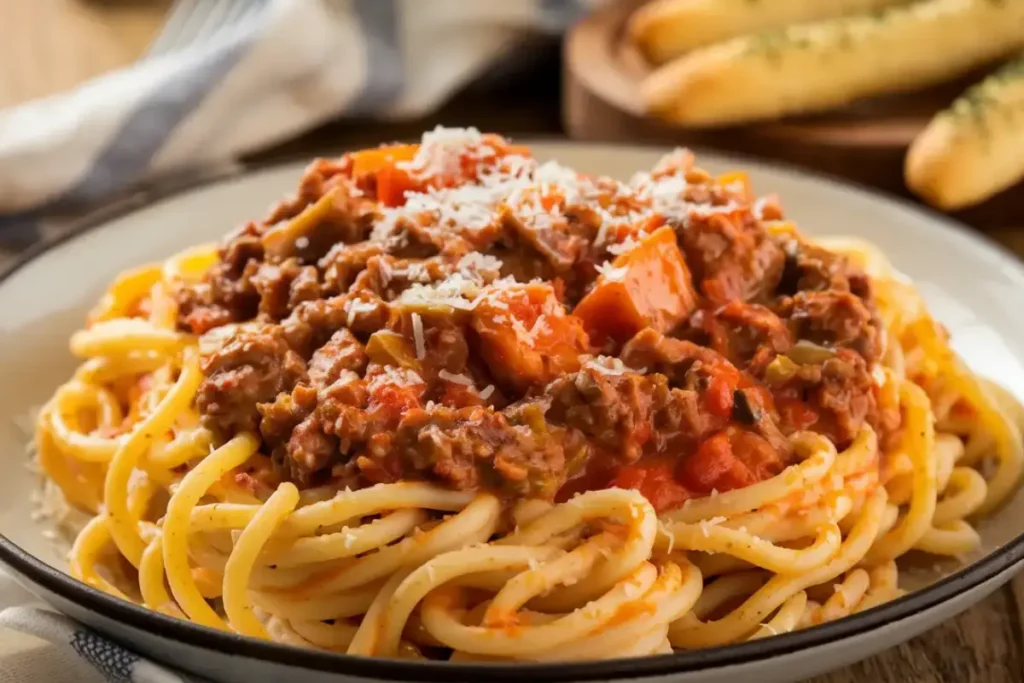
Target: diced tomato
<point x="657" y="483"/>
<point x="731" y="459"/>
<point x="653" y="288"/>
<point x="594" y="474"/>
<point x="718" y="397"/>
<point x="393" y="396"/>
<point x="794" y="414"/>
<point x="379" y="169"/>
<point x="392" y="184"/>
<point x="754" y="451"/>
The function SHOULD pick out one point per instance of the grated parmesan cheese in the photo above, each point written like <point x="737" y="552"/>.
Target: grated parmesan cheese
<point x="671" y="537"/>
<point x="455" y="378"/>
<point x="627" y="245"/>
<point x="611" y="273"/>
<point x="441" y="150"/>
<point x="393" y="375"/>
<point x="608" y="365"/>
<point x="474" y="264"/>
<point x="354" y="307"/>
<point x="418" y="338"/>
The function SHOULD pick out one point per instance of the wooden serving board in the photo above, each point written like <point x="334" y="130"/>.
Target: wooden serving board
<point x="865" y="143"/>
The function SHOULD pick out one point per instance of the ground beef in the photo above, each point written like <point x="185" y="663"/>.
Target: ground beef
<point x="252" y="367"/>
<point x="841" y="392"/>
<point x="342" y="352"/>
<point x="834" y="318"/>
<point x="472" y="448"/>
<point x="344" y="262"/>
<point x="284" y="286"/>
<point x="312" y="323"/>
<point x="652" y="351"/>
<point x="730" y="254"/>
<point x="624" y="413"/>
<point x="749" y="335"/>
<point x="311" y="187"/>
<point x="811" y="268"/>
<point x="252" y="278"/>
<point x="550" y="249"/>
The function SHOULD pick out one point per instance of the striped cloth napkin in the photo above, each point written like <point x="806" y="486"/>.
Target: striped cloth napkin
<point x="283" y="67"/>
<point x="280" y="68"/>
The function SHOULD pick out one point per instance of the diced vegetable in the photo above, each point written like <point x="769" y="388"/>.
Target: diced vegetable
<point x="728" y="460"/>
<point x="808" y="353"/>
<point x="740" y="179"/>
<point x="281" y="240"/>
<point x="391" y="182"/>
<point x="780" y="371"/>
<point x="372" y="161"/>
<point x="795" y="414"/>
<point x="649" y="286"/>
<point x="390" y="348"/>
<point x="657" y="483"/>
<point x="526" y="337"/>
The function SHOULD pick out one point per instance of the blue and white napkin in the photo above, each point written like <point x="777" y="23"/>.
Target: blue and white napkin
<point x="281" y="68"/>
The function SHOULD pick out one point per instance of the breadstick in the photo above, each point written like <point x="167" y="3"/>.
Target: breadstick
<point x="665" y="29"/>
<point x="821" y="66"/>
<point x="975" y="148"/>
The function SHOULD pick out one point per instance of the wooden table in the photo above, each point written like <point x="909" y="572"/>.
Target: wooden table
<point x="983" y="645"/>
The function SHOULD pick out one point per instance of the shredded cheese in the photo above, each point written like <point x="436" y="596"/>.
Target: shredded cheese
<point x="612" y="274"/>
<point x="455" y="378"/>
<point x="418" y="338"/>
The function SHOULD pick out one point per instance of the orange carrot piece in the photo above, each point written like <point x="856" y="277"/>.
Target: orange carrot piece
<point x="650" y="286"/>
<point x="526" y="337"/>
<point x="372" y="161"/>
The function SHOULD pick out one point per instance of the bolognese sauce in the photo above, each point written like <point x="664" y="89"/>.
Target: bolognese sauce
<point x="460" y="313"/>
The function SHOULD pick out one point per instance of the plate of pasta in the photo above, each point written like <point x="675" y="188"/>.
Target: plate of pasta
<point x="467" y="409"/>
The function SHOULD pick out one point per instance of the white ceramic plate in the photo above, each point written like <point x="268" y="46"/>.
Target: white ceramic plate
<point x="972" y="286"/>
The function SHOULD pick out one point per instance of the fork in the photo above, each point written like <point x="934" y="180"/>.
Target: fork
<point x="193" y="21"/>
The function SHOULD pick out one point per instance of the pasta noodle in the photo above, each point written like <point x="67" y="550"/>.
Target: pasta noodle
<point x="194" y="523"/>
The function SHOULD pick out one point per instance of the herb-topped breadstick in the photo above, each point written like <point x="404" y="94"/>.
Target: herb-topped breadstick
<point x="975" y="148"/>
<point x="665" y="29"/>
<point x="826" y="65"/>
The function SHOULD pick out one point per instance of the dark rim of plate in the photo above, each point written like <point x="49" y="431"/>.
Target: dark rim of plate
<point x="201" y="637"/>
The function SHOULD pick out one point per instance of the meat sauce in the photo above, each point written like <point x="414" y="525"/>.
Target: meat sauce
<point x="459" y="313"/>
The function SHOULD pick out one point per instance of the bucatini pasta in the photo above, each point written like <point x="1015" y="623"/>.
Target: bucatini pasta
<point x="448" y="401"/>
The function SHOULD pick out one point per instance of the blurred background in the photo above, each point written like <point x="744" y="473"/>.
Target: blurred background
<point x="102" y="99"/>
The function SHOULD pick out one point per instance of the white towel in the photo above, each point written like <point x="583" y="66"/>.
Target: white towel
<point x="283" y="68"/>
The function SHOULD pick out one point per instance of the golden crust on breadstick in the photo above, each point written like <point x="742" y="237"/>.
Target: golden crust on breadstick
<point x="665" y="29"/>
<point x="825" y="65"/>
<point x="975" y="148"/>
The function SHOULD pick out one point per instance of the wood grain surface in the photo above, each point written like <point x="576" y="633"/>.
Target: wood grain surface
<point x="982" y="645"/>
